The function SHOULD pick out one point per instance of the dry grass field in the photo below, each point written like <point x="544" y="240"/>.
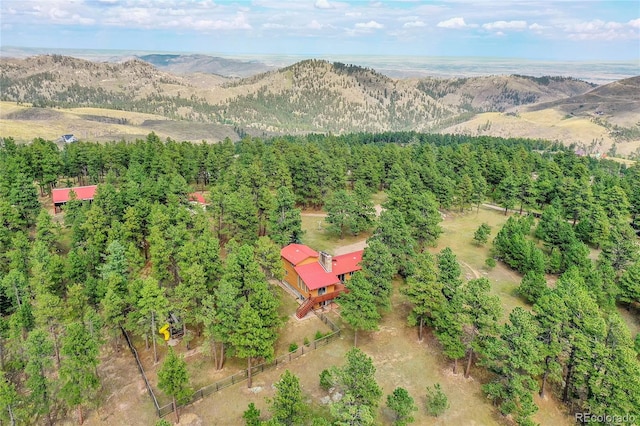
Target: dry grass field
<point x="24" y="123"/>
<point x="550" y="124"/>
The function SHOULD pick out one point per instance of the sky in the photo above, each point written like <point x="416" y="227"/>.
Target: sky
<point x="531" y="29"/>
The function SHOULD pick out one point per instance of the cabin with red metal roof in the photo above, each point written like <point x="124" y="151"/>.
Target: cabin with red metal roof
<point x="198" y="198"/>
<point x="317" y="277"/>
<point x="61" y="196"/>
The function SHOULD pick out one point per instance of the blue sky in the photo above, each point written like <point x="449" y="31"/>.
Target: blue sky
<point x="532" y="29"/>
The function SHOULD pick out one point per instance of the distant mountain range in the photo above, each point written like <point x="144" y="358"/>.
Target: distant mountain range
<point x="308" y="96"/>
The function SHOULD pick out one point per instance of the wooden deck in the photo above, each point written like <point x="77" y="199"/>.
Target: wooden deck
<point x="308" y="304"/>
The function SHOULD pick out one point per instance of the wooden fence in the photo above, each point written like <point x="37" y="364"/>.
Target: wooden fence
<point x="242" y="375"/>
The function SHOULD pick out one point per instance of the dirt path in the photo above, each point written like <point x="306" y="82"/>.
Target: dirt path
<point x="308" y="214"/>
<point x="360" y="245"/>
<point x="475" y="273"/>
<point x="378" y="208"/>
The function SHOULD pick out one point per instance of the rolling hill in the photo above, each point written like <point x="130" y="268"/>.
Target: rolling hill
<point x="309" y="96"/>
<point x="594" y="121"/>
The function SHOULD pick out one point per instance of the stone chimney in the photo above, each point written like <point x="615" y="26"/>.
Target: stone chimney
<point x="325" y="261"/>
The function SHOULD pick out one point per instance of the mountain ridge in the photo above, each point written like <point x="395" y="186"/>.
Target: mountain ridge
<point x="312" y="95"/>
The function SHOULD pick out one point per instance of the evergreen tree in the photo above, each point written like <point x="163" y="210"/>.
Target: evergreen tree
<point x="532" y="286"/>
<point x="482" y="312"/>
<point x="481" y="236"/>
<point x="425" y="292"/>
<point x="252" y="416"/>
<point x="78" y="368"/>
<point x="285" y="222"/>
<point x="516" y="359"/>
<point x="437" y="401"/>
<point x="402" y="405"/>
<point x="358" y="305"/>
<point x="9" y="400"/>
<point x="629" y="284"/>
<point x="449" y="272"/>
<point x="287" y="406"/>
<point x="364" y="212"/>
<point x="340" y="213"/>
<point x="39" y="350"/>
<point x="357" y="379"/>
<point x="153" y="309"/>
<point x="173" y="379"/>
<point x="393" y="232"/>
<point x="267" y="255"/>
<point x="378" y="269"/>
<point x="252" y="338"/>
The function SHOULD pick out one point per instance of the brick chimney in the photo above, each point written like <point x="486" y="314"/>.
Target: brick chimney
<point x="325" y="261"/>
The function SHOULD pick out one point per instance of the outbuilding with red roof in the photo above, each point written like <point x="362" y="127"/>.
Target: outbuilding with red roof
<point x="61" y="196"/>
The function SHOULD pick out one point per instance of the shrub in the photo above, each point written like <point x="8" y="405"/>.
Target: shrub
<point x="326" y="379"/>
<point x="490" y="262"/>
<point x="293" y="347"/>
<point x="306" y="341"/>
<point x="319" y="335"/>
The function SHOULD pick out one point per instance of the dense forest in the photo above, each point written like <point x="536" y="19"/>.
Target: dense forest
<point x="142" y="249"/>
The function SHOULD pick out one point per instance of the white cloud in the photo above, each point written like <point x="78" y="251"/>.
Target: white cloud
<point x="323" y="4"/>
<point x="371" y="25"/>
<point x="414" y="24"/>
<point x="505" y="25"/>
<point x="536" y="27"/>
<point x="603" y="31"/>
<point x="453" y="23"/>
<point x="315" y="25"/>
<point x="272" y="26"/>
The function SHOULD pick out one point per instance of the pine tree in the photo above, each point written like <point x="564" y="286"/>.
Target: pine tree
<point x="403" y="405"/>
<point x="340" y="213"/>
<point x="449" y="272"/>
<point x="437" y="401"/>
<point x="287" y="406"/>
<point x="629" y="284"/>
<point x="358" y="305"/>
<point x="357" y="379"/>
<point x="173" y="379"/>
<point x="481" y="236"/>
<point x="516" y="359"/>
<point x="39" y="350"/>
<point x="78" y="368"/>
<point x="252" y="416"/>
<point x="425" y="293"/>
<point x="378" y="269"/>
<point x="9" y="400"/>
<point x="252" y="338"/>
<point x="393" y="232"/>
<point x="482" y="312"/>
<point x="285" y="221"/>
<point x="267" y="255"/>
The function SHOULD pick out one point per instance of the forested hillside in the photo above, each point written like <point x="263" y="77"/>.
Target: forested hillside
<point x="141" y="250"/>
<point x="309" y="96"/>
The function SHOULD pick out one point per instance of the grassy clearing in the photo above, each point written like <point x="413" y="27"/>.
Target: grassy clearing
<point x="317" y="237"/>
<point x="458" y="234"/>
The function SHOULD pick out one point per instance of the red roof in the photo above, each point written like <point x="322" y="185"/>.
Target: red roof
<point x="197" y="197"/>
<point x="315" y="277"/>
<point x="61" y="195"/>
<point x="349" y="262"/>
<point x="296" y="253"/>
